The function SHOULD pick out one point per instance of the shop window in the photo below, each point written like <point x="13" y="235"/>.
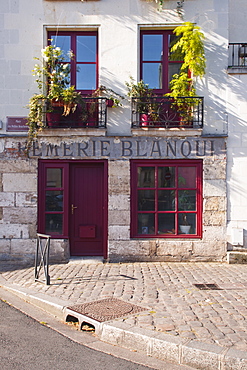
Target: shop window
<point x="166" y="198"/>
<point x="53" y="199"/>
<point x="84" y="62"/>
<point x="158" y="64"/>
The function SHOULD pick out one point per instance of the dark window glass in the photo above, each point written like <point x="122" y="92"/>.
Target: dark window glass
<point x="54" y="177"/>
<point x="166" y="198"/>
<point x="158" y="63"/>
<point x="84" y="63"/>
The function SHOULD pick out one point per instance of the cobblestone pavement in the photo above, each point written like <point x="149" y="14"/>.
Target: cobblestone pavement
<point x="175" y="305"/>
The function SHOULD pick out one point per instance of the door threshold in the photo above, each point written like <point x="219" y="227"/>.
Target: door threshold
<point x="89" y="259"/>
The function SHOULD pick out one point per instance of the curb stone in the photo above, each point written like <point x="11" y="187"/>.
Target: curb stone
<point x="162" y="346"/>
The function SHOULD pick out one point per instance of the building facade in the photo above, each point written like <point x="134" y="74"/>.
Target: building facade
<point x="110" y="181"/>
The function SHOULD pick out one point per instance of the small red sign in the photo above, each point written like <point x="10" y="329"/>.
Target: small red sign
<point x="17" y="124"/>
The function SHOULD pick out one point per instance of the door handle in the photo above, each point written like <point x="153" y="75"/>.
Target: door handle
<point x="72" y="208"/>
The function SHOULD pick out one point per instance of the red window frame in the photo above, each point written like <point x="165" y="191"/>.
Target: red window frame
<point x="164" y="60"/>
<point x="73" y="62"/>
<point x="197" y="213"/>
<point x="43" y="188"/>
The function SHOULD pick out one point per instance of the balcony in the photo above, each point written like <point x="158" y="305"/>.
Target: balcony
<point x="237" y="55"/>
<point x="163" y="112"/>
<point x="90" y="114"/>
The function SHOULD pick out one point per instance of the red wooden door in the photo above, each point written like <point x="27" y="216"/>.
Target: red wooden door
<point x="87" y="209"/>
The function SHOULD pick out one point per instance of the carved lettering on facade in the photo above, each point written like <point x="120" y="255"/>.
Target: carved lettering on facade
<point x="126" y="148"/>
<point x="156" y="148"/>
<point x="139" y="153"/>
<point x="82" y="147"/>
<point x="130" y="148"/>
<point x="105" y="144"/>
<point x="186" y="148"/>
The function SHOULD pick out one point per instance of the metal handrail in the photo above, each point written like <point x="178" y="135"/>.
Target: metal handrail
<point x="165" y="112"/>
<point x="237" y="55"/>
<point x="90" y="112"/>
<point x="42" y="258"/>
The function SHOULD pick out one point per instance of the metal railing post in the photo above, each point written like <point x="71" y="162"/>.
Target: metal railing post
<point x="42" y="257"/>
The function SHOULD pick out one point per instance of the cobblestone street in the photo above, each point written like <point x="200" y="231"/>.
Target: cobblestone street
<point x="175" y="305"/>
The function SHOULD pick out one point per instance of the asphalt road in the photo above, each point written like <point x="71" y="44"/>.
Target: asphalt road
<point x="28" y="344"/>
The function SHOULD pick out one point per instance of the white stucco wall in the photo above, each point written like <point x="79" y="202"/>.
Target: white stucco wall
<point x="24" y="34"/>
<point x="237" y="140"/>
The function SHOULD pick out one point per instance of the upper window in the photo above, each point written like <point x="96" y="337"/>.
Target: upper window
<point x="158" y="64"/>
<point x="166" y="198"/>
<point x="84" y="62"/>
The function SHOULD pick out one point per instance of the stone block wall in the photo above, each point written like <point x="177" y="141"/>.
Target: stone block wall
<point x="18" y="208"/>
<point x="18" y="204"/>
<point x="18" y="215"/>
<point x="212" y="246"/>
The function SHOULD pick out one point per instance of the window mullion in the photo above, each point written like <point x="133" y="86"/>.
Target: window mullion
<point x="156" y="199"/>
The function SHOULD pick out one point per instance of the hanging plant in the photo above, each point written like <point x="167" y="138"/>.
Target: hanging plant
<point x="53" y="81"/>
<point x="188" y="47"/>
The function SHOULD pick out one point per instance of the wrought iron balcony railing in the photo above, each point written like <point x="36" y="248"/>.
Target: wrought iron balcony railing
<point x="91" y="113"/>
<point x="237" y="55"/>
<point x="163" y="112"/>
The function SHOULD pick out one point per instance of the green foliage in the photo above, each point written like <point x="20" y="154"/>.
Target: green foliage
<point x="181" y="85"/>
<point x="71" y="99"/>
<point x="188" y="47"/>
<point x="139" y="89"/>
<point x="145" y="103"/>
<point x="53" y="81"/>
<point x="37" y="108"/>
<point x="52" y="73"/>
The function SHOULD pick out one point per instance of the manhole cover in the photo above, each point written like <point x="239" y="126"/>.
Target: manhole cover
<point x="207" y="286"/>
<point x="106" y="309"/>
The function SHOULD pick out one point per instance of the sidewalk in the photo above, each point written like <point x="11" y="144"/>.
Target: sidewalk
<point x="204" y="329"/>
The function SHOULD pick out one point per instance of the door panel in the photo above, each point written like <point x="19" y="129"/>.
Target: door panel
<point x="87" y="198"/>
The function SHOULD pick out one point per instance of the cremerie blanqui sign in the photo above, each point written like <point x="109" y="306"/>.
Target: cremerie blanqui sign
<point x="122" y="147"/>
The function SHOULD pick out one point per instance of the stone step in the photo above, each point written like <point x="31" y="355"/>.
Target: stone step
<point x="93" y="259"/>
<point x="237" y="257"/>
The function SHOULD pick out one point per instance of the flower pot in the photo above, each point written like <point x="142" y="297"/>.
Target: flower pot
<point x="186" y="121"/>
<point x="144" y="119"/>
<point x="109" y="103"/>
<point x="53" y="119"/>
<point x="57" y="103"/>
<point x="185" y="229"/>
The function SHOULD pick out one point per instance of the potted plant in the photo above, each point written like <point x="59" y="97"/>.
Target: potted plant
<point x="188" y="47"/>
<point x="113" y="98"/>
<point x="184" y="226"/>
<point x="55" y="96"/>
<point x="146" y="105"/>
<point x="185" y="203"/>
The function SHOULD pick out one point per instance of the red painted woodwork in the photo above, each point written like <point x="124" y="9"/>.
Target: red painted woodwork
<point x="87" y="216"/>
<point x="163" y="58"/>
<point x="74" y="62"/>
<point x="82" y="214"/>
<point x="154" y="194"/>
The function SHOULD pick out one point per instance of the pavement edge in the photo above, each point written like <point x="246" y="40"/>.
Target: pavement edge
<point x="160" y="346"/>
